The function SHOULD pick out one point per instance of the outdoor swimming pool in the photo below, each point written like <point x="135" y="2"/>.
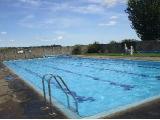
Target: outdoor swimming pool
<point x="99" y="85"/>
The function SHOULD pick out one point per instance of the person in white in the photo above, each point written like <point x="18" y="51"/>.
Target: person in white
<point x="126" y="48"/>
<point x="132" y="50"/>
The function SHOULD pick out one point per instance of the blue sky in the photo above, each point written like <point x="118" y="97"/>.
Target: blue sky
<point x="64" y="22"/>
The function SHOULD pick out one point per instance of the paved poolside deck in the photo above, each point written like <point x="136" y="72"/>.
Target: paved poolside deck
<point x="18" y="101"/>
<point x="121" y="57"/>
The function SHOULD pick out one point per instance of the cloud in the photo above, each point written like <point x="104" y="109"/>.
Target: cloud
<point x="3" y="33"/>
<point x="110" y="23"/>
<point x="113" y="17"/>
<point x="88" y="9"/>
<point x="43" y="38"/>
<point x="60" y="37"/>
<point x="112" y="3"/>
<point x="27" y="21"/>
<point x="48" y="38"/>
<point x="31" y="2"/>
<point x="108" y="3"/>
<point x="51" y="22"/>
<point x="75" y="8"/>
<point x="58" y="32"/>
<point x="82" y="6"/>
<point x="12" y="40"/>
<point x="93" y="6"/>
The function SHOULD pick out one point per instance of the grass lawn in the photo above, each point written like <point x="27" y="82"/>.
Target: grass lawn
<point x="124" y="55"/>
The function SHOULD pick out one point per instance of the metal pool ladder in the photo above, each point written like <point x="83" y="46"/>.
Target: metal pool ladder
<point x="48" y="78"/>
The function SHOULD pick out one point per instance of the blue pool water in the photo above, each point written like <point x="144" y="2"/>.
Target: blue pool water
<point x="98" y="84"/>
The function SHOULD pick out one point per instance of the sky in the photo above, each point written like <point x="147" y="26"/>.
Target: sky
<point x="63" y="22"/>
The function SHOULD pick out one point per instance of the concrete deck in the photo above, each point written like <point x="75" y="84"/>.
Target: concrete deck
<point x="149" y="110"/>
<point x="121" y="57"/>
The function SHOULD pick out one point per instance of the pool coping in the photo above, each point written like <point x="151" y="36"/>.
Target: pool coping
<point x="124" y="109"/>
<point x="106" y="114"/>
<point x="115" y="58"/>
<point x="121" y="57"/>
<point x="91" y="57"/>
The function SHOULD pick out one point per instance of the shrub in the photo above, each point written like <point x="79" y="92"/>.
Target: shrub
<point x="113" y="42"/>
<point x="94" y="48"/>
<point x="76" y="50"/>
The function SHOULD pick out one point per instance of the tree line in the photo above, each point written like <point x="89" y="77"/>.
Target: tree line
<point x="96" y="47"/>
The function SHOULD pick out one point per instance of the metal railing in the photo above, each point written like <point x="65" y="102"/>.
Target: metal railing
<point x="62" y="85"/>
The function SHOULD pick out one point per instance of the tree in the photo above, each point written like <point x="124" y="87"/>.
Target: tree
<point x="76" y="50"/>
<point x="145" y="18"/>
<point x="113" y="42"/>
<point x="94" y="48"/>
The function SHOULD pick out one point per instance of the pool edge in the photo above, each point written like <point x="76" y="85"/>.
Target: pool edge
<point x="124" y="109"/>
<point x="115" y="58"/>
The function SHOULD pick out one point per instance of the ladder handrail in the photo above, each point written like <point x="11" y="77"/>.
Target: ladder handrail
<point x="70" y="93"/>
<point x="49" y="91"/>
<point x="49" y="82"/>
<point x="43" y="83"/>
<point x="57" y="78"/>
